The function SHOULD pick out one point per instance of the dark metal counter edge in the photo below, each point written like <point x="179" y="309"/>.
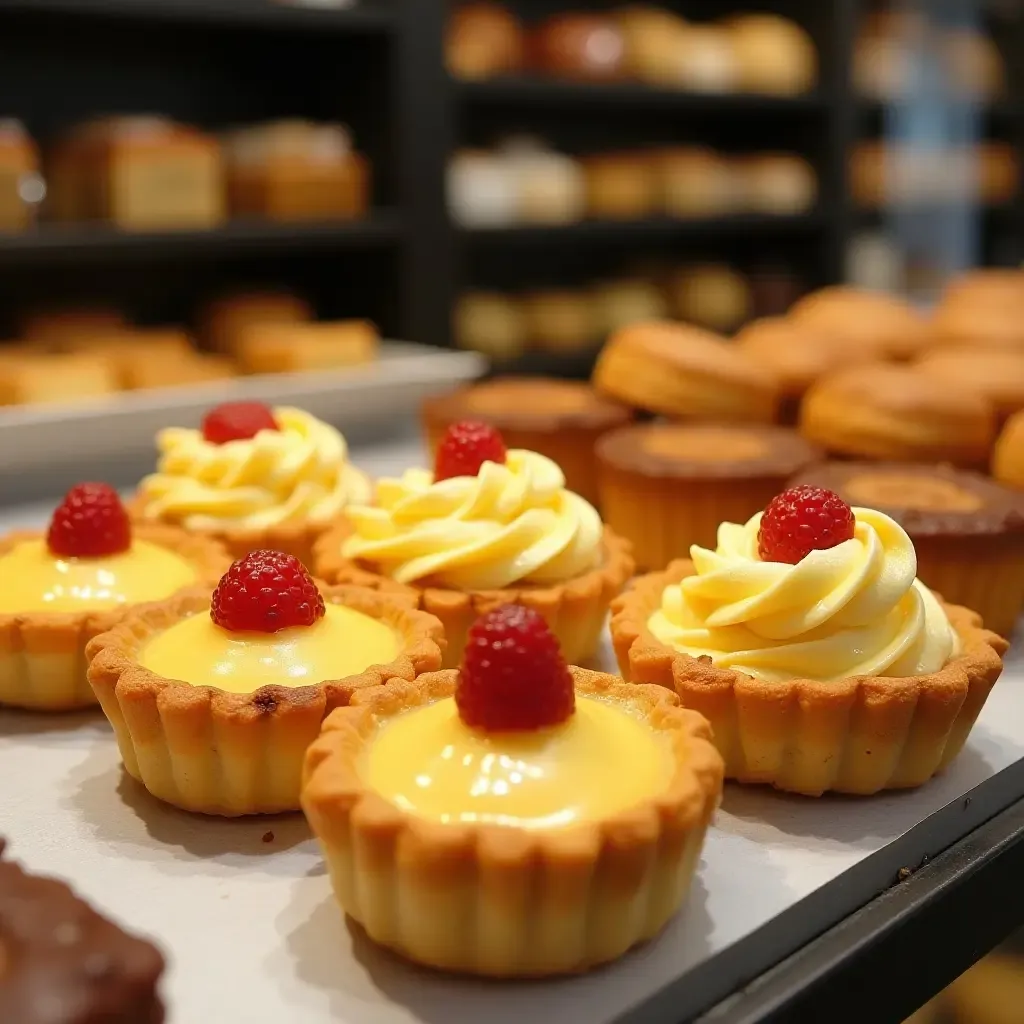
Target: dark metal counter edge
<point x="745" y="964"/>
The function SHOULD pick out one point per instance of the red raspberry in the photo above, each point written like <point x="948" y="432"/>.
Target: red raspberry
<point x="90" y="522"/>
<point x="801" y="520"/>
<point x="237" y="421"/>
<point x="465" y="447"/>
<point x="513" y="675"/>
<point x="264" y="592"/>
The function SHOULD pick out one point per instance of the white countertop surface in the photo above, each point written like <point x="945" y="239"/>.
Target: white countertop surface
<point x="244" y="910"/>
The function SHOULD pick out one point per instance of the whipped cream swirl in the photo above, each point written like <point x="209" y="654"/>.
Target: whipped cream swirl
<point x="856" y="609"/>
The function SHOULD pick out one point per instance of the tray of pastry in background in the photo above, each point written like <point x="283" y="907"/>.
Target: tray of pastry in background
<point x="88" y="385"/>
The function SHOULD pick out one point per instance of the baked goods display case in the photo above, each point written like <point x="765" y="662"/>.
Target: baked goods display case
<point x="340" y="684"/>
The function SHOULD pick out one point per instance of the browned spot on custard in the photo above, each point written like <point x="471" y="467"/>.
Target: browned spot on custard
<point x="926" y="493"/>
<point x="709" y="445"/>
<point x="268" y="837"/>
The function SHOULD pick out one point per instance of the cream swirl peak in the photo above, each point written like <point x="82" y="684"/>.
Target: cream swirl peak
<point x="853" y="609"/>
<point x="511" y="523"/>
<point x="298" y="472"/>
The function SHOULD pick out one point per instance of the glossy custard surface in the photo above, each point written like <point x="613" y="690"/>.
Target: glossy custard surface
<point x="344" y="642"/>
<point x="34" y="580"/>
<point x="606" y="759"/>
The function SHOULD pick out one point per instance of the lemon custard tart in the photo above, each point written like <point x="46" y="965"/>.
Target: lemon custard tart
<point x="819" y="658"/>
<point x="254" y="478"/>
<point x="489" y="526"/>
<point x="61" y="587"/>
<point x="479" y="819"/>
<point x="215" y="694"/>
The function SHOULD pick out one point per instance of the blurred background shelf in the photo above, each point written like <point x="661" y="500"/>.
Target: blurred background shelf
<point x="358" y="18"/>
<point x="543" y="91"/>
<point x="52" y="243"/>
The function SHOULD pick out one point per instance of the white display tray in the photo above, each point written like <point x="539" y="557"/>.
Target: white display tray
<point x="123" y="425"/>
<point x="244" y="910"/>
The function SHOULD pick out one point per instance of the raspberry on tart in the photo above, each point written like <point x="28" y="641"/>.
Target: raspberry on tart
<point x="513" y="673"/>
<point x="801" y="520"/>
<point x="90" y="522"/>
<point x="253" y="664"/>
<point x="465" y="447"/>
<point x="237" y="421"/>
<point x="264" y="592"/>
<point x="519" y="774"/>
<point x="62" y="586"/>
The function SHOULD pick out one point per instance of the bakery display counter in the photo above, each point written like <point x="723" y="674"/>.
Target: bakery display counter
<point x="861" y="895"/>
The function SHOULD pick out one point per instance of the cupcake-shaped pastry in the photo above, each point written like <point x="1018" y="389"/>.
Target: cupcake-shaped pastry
<point x="878" y="411"/>
<point x="215" y="694"/>
<point x="685" y="373"/>
<point x="64" y="963"/>
<point x="968" y="531"/>
<point x="252" y="477"/>
<point x="796" y="356"/>
<point x="61" y="587"/>
<point x="667" y="486"/>
<point x="807" y="641"/>
<point x="1008" y="458"/>
<point x="888" y="327"/>
<point x="559" y="419"/>
<point x="489" y="525"/>
<point x="997" y="374"/>
<point x="774" y="55"/>
<point x="516" y="816"/>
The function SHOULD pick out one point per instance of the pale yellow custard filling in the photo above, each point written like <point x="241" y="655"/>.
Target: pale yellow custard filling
<point x="604" y="760"/>
<point x="343" y="643"/>
<point x="32" y="579"/>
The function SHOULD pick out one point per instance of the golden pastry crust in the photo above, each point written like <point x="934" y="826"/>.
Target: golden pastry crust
<point x="881" y="324"/>
<point x="894" y="412"/>
<point x="504" y="901"/>
<point x="982" y="309"/>
<point x="684" y="372"/>
<point x="214" y="752"/>
<point x="557" y="418"/>
<point x="296" y="538"/>
<point x="42" y="654"/>
<point x="997" y="374"/>
<point x="575" y="610"/>
<point x="857" y="735"/>
<point x="1008" y="458"/>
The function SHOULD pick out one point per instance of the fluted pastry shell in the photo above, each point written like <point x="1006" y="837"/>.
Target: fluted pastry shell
<point x="507" y="901"/>
<point x="214" y="752"/>
<point x="42" y="654"/>
<point x="858" y="735"/>
<point x="575" y="611"/>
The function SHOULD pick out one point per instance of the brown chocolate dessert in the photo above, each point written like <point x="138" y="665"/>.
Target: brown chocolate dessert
<point x="667" y="486"/>
<point x="968" y="531"/>
<point x="62" y="963"/>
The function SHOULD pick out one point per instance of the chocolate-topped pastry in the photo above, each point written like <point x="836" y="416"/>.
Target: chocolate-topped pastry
<point x="560" y="419"/>
<point x="62" y="963"/>
<point x="968" y="530"/>
<point x="666" y="486"/>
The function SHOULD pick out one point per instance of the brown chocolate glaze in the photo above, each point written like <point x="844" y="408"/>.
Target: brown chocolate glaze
<point x="707" y="451"/>
<point x="62" y="963"/>
<point x="996" y="510"/>
<point x="528" y="403"/>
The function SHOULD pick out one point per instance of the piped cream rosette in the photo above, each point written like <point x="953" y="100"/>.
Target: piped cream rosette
<point x="278" y="489"/>
<point x="856" y="609"/>
<point x="511" y="533"/>
<point x="512" y="523"/>
<point x="840" y="672"/>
